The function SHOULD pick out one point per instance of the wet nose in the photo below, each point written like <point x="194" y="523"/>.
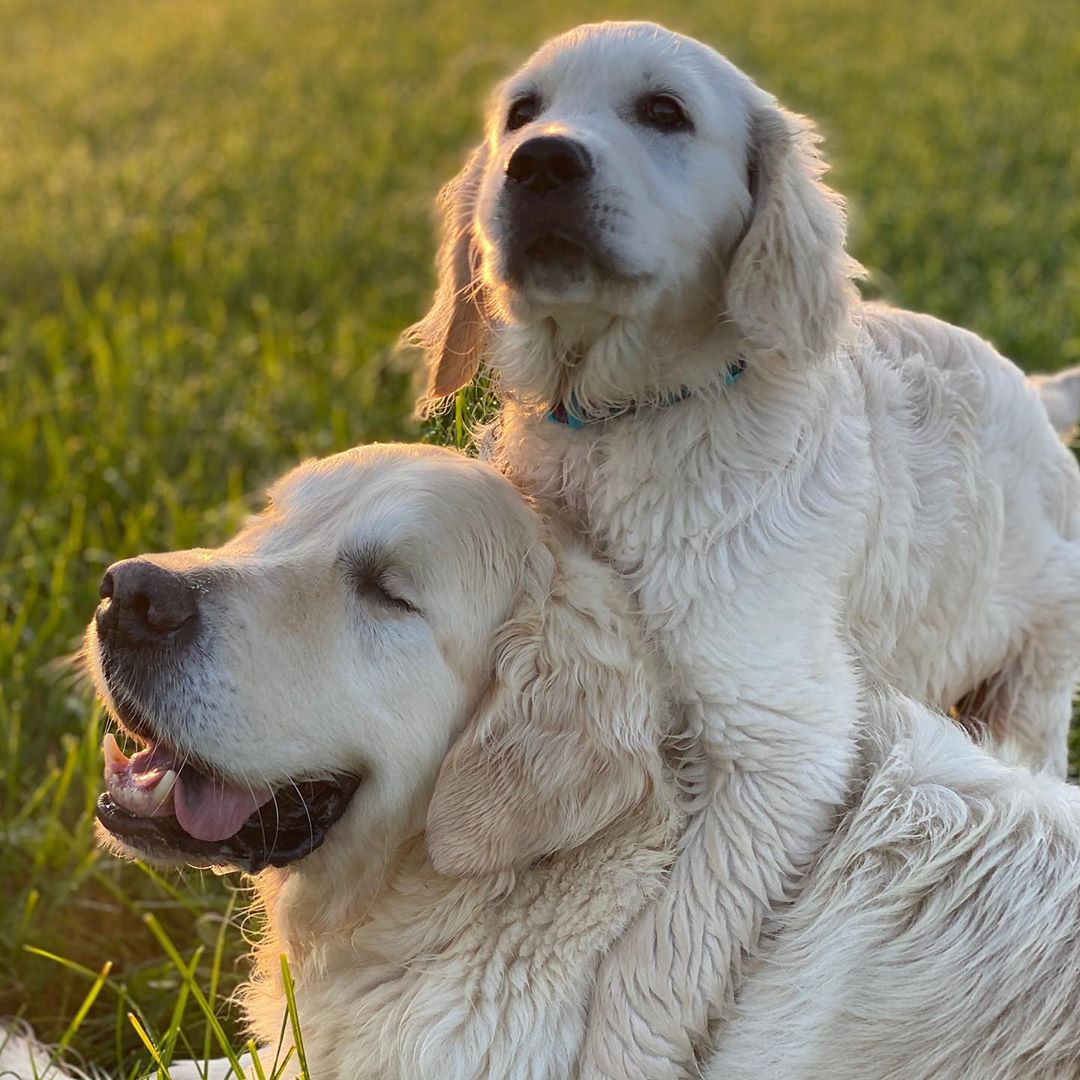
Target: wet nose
<point x="145" y="604"/>
<point x="549" y="162"/>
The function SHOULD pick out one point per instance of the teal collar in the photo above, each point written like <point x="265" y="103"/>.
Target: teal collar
<point x="570" y="414"/>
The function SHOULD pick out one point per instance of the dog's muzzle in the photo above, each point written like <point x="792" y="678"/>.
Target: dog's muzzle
<point x="546" y="200"/>
<point x="163" y="801"/>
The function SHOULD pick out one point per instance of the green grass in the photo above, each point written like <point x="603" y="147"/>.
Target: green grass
<point x="215" y="223"/>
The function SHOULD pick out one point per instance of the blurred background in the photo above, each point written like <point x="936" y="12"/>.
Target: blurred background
<point x="216" y="219"/>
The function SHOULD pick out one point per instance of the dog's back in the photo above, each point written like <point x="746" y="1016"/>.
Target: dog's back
<point x="936" y="937"/>
<point x="977" y="509"/>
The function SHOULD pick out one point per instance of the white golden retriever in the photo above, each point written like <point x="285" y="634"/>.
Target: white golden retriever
<point x="430" y="726"/>
<point x="450" y="749"/>
<point x="807" y="494"/>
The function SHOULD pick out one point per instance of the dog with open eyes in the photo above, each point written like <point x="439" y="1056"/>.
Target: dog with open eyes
<point x="807" y="494"/>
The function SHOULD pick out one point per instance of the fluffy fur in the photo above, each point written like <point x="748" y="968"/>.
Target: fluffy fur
<point x="515" y="811"/>
<point x="928" y="940"/>
<point x="878" y="499"/>
<point x="935" y="937"/>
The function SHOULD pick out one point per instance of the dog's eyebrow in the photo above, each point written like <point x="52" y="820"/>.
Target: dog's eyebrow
<point x="363" y="558"/>
<point x="371" y="560"/>
<point x="522" y="90"/>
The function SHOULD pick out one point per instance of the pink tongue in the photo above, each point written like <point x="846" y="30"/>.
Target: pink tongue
<point x="211" y="810"/>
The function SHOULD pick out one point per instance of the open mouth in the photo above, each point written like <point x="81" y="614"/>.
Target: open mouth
<point x="160" y="801"/>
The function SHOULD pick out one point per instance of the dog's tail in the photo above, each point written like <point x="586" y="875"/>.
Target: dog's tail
<point x="1061" y="396"/>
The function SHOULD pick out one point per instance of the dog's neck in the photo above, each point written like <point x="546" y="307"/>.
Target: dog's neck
<point x="403" y="972"/>
<point x="619" y="362"/>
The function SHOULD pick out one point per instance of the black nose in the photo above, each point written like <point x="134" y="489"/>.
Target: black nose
<point x="548" y="162"/>
<point x="147" y="604"/>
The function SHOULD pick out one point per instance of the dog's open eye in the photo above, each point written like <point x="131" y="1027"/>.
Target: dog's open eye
<point x="523" y="111"/>
<point x="663" y="112"/>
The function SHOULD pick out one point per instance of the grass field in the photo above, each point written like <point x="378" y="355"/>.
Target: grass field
<point x="215" y="223"/>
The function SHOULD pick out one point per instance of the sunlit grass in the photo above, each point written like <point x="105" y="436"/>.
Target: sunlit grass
<point x="216" y="222"/>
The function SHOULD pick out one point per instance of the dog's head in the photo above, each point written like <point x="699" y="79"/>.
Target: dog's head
<point x="633" y="185"/>
<point x="394" y="607"/>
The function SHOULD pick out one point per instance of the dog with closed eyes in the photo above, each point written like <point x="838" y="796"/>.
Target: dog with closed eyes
<point x="428" y="724"/>
<point x="807" y="494"/>
<point x="431" y="729"/>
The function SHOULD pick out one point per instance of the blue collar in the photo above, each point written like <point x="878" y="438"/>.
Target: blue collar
<point x="569" y="413"/>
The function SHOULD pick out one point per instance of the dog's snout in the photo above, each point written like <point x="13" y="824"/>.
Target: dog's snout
<point x="548" y="162"/>
<point x="147" y="604"/>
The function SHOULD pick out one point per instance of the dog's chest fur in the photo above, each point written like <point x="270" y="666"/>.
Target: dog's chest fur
<point x="865" y="492"/>
<point x="437" y="977"/>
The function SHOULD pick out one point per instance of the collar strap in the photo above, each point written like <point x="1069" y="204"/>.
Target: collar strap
<point x="570" y="414"/>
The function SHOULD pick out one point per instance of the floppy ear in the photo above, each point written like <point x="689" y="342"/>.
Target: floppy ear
<point x="567" y="739"/>
<point x="789" y="287"/>
<point x="454" y="332"/>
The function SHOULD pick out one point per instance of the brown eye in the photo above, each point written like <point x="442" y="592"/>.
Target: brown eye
<point x="523" y="111"/>
<point x="663" y="112"/>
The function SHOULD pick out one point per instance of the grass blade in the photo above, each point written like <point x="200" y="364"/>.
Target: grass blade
<point x="294" y="1016"/>
<point x="149" y="1044"/>
<point x="196" y="992"/>
<point x="84" y="1008"/>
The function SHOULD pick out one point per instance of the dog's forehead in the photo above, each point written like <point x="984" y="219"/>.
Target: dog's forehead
<point x="605" y="64"/>
<point x="425" y="497"/>
<point x="616" y="54"/>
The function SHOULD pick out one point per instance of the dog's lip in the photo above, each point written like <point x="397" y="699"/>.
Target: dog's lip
<point x="541" y="246"/>
<point x="162" y="781"/>
<point x="557" y="244"/>
<point x="288" y="828"/>
<point x="542" y="250"/>
<point x="163" y="802"/>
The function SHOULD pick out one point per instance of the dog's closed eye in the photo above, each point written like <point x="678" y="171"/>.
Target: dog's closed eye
<point x="373" y="580"/>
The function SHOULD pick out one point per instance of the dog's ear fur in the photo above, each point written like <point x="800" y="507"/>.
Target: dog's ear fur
<point x="567" y="738"/>
<point x="789" y="287"/>
<point x="454" y="332"/>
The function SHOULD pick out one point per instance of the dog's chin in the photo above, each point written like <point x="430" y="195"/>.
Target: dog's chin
<point x="559" y="278"/>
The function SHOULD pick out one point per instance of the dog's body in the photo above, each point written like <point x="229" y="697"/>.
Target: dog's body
<point x="935" y="938"/>
<point x="397" y="607"/>
<point x="454" y="921"/>
<point x="806" y="493"/>
<point x="824" y="558"/>
<point x="890" y="487"/>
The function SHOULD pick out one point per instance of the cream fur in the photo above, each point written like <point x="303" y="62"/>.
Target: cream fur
<point x="928" y="939"/>
<point x="935" y="938"/>
<point x="879" y="499"/>
<point x="515" y="812"/>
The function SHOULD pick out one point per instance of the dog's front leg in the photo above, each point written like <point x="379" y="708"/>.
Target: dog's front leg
<point x="775" y="755"/>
